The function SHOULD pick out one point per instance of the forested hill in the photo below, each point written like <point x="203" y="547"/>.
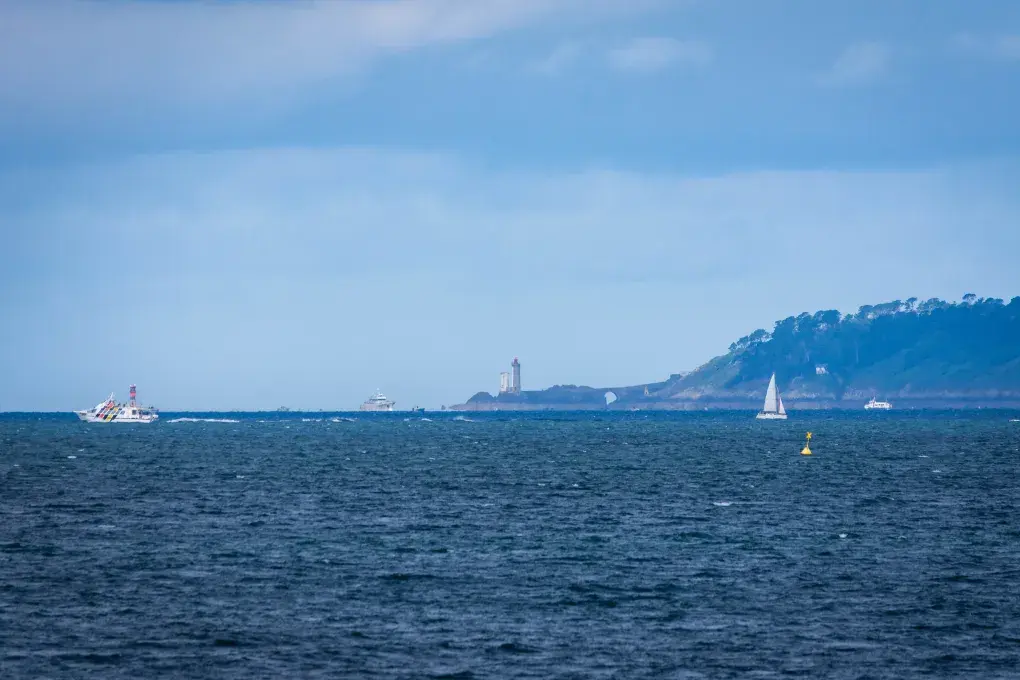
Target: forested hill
<point x="905" y="349"/>
<point x="933" y="353"/>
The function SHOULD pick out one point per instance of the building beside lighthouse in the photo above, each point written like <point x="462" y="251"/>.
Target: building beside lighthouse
<point x="504" y="382"/>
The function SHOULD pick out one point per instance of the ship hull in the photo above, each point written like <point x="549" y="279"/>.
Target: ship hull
<point x="87" y="418"/>
<point x="771" y="416"/>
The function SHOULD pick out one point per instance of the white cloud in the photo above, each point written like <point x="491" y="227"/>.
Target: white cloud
<point x="646" y="55"/>
<point x="559" y="60"/>
<point x="858" y="64"/>
<point x="61" y="55"/>
<point x="1003" y="47"/>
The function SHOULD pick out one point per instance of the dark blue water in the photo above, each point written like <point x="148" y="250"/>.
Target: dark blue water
<point x="570" y="546"/>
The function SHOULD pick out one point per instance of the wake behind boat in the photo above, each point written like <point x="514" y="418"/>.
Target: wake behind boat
<point x="110" y="411"/>
<point x="773" y="408"/>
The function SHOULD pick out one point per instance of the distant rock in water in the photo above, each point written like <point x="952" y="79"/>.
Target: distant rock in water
<point x="932" y="354"/>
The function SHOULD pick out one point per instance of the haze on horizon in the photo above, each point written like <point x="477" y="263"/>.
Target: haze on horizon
<point x="247" y="204"/>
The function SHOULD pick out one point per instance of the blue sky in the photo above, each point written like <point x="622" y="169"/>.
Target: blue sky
<point x="253" y="203"/>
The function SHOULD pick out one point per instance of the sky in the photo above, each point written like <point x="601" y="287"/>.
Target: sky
<point x="253" y="203"/>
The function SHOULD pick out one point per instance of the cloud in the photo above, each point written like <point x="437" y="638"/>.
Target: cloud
<point x="1001" y="47"/>
<point x="62" y="56"/>
<point x="559" y="60"/>
<point x="858" y="64"/>
<point x="647" y="55"/>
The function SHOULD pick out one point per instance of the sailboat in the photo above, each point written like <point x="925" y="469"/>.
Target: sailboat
<point x="773" y="409"/>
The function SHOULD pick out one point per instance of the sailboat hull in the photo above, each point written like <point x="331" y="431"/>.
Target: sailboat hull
<point x="764" y="415"/>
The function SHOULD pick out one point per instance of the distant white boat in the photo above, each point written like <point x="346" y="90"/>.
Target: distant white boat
<point x="773" y="408"/>
<point x="110" y="411"/>
<point x="875" y="404"/>
<point x="378" y="402"/>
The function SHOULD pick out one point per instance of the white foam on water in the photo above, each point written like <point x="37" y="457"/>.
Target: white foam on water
<point x="238" y="476"/>
<point x="466" y="420"/>
<point x="722" y="504"/>
<point x="72" y="457"/>
<point x="842" y="535"/>
<point x="204" y="420"/>
<point x="922" y="456"/>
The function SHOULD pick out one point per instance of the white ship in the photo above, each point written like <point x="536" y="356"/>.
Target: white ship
<point x="378" y="402"/>
<point x="880" y="405"/>
<point x="110" y="411"/>
<point x="773" y="409"/>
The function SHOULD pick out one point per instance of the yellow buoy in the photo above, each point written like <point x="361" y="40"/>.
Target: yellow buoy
<point x="806" y="451"/>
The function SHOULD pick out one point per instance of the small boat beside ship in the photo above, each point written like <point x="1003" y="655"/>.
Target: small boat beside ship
<point x="109" y="411"/>
<point x="378" y="402"/>
<point x="773" y="408"/>
<point x="874" y="404"/>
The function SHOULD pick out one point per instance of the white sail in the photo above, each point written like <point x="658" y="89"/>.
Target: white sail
<point x="782" y="409"/>
<point x="771" y="397"/>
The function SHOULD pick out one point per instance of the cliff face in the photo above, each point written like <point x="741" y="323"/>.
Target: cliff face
<point x="933" y="354"/>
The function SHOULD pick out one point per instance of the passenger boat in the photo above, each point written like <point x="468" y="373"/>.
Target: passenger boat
<point x="378" y="402"/>
<point x="110" y="411"/>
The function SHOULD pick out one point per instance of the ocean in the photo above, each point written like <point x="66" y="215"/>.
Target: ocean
<point x="566" y="545"/>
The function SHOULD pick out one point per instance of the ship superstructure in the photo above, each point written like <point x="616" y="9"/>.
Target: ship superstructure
<point x="109" y="411"/>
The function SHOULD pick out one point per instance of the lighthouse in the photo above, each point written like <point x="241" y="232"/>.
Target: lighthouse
<point x="132" y="394"/>
<point x="515" y="384"/>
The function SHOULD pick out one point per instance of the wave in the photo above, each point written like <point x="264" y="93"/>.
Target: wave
<point x="203" y="420"/>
